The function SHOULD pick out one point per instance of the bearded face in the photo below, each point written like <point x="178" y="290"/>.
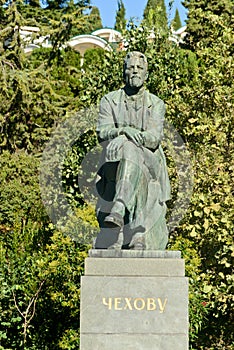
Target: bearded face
<point x="135" y="72"/>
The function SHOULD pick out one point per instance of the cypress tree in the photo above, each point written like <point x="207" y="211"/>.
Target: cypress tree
<point x="95" y="19"/>
<point x="155" y="15"/>
<point x="176" y="23"/>
<point x="59" y="4"/>
<point x="120" y="21"/>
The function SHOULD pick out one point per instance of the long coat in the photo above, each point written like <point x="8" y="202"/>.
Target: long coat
<point x="144" y="112"/>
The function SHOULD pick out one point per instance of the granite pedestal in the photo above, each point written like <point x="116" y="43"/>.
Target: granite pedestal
<point x="134" y="300"/>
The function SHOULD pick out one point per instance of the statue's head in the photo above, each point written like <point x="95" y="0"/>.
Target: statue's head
<point x="135" y="69"/>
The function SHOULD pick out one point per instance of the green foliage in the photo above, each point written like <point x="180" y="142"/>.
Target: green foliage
<point x="35" y="92"/>
<point x="82" y="225"/>
<point x="72" y="167"/>
<point x="93" y="58"/>
<point x="19" y="191"/>
<point x="39" y="273"/>
<point x="101" y="79"/>
<point x="198" y="301"/>
<point x="40" y="294"/>
<point x="155" y="15"/>
<point x="61" y="264"/>
<point x="209" y="23"/>
<point x="95" y="19"/>
<point x="60" y="4"/>
<point x="33" y="3"/>
<point x="176" y="23"/>
<point x="64" y="74"/>
<point x="25" y="97"/>
<point x="120" y="20"/>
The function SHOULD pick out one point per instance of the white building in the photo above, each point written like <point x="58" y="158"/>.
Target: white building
<point x="105" y="38"/>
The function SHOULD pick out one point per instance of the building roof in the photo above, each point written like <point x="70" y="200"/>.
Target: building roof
<point x="82" y="43"/>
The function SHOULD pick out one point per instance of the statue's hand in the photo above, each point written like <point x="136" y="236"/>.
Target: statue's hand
<point x="134" y="135"/>
<point x="112" y="150"/>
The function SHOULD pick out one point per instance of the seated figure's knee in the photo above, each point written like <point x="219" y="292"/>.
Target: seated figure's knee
<point x="131" y="151"/>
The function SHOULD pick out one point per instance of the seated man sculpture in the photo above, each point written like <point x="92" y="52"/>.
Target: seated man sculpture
<point x="133" y="183"/>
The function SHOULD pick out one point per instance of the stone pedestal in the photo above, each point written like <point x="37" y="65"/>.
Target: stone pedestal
<point x="134" y="300"/>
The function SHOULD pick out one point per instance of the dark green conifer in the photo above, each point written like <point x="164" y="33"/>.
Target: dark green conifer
<point x="176" y="23"/>
<point x="95" y="19"/>
<point x="120" y="21"/>
<point x="155" y="15"/>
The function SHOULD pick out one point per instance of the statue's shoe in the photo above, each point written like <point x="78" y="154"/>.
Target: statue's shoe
<point x="114" y="220"/>
<point x="138" y="246"/>
<point x="138" y="243"/>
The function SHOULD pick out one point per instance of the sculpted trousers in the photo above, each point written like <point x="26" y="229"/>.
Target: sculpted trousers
<point x="129" y="172"/>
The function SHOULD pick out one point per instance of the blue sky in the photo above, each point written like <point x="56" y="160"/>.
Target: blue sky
<point x="134" y="8"/>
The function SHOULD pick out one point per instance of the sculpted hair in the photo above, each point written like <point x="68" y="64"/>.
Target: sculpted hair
<point x="135" y="54"/>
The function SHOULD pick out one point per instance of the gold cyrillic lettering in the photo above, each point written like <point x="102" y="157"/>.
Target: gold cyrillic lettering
<point x="162" y="305"/>
<point x="151" y="304"/>
<point x="136" y="302"/>
<point x="109" y="303"/>
<point x="117" y="302"/>
<point x="139" y="304"/>
<point x="128" y="304"/>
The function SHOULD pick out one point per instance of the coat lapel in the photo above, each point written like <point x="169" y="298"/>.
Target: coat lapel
<point x="118" y="98"/>
<point x="146" y="110"/>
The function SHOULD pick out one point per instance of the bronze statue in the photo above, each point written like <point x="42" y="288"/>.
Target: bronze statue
<point x="133" y="183"/>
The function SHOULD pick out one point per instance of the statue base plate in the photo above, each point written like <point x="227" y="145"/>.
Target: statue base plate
<point x="134" y="300"/>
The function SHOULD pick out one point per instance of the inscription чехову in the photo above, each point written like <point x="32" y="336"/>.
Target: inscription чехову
<point x="148" y="304"/>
